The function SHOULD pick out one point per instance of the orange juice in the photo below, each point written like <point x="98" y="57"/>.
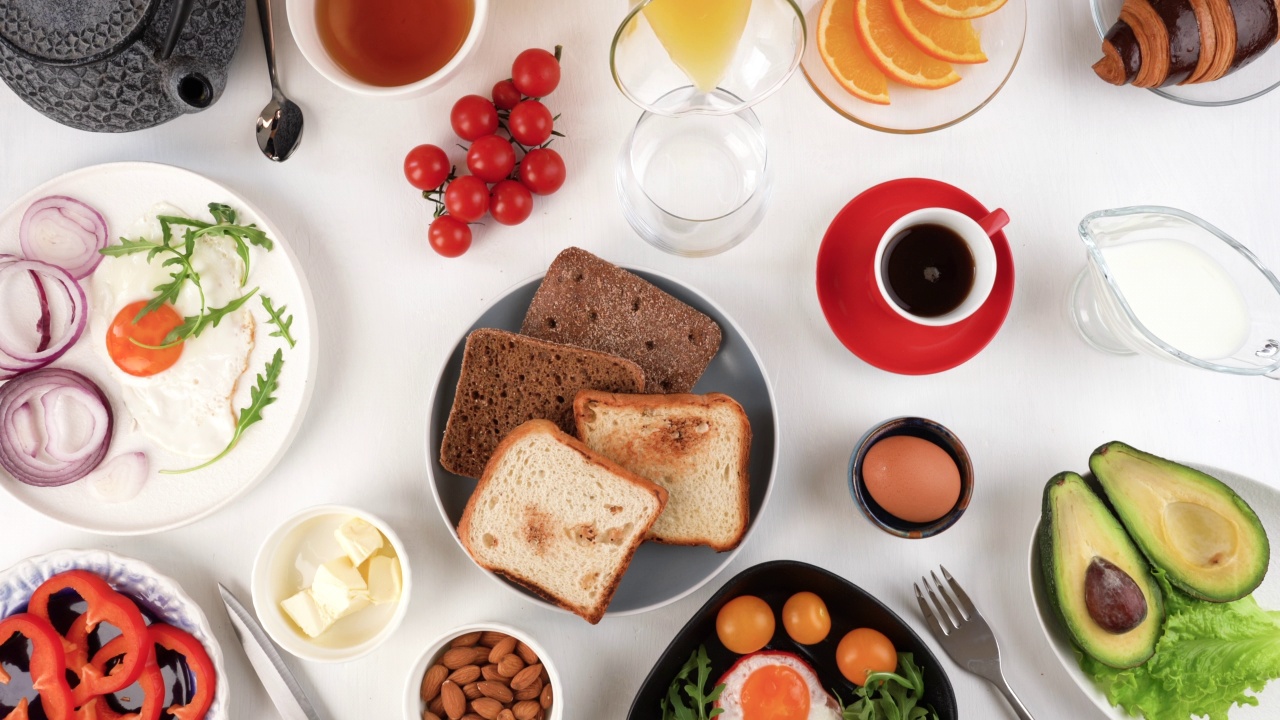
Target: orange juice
<point x="393" y="42"/>
<point x="701" y="36"/>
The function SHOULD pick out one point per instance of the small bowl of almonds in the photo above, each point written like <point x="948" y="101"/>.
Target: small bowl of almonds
<point x="484" y="670"/>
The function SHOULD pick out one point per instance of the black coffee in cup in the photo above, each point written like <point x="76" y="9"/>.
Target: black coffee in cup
<point x="928" y="269"/>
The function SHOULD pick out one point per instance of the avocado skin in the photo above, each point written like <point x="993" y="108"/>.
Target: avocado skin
<point x="1068" y="602"/>
<point x="1216" y="495"/>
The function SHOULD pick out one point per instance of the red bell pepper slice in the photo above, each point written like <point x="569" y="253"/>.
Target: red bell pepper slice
<point x="198" y="663"/>
<point x="103" y="605"/>
<point x="48" y="666"/>
<point x="151" y="681"/>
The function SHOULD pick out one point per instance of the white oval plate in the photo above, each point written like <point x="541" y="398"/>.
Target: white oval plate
<point x="123" y="193"/>
<point x="1265" y="501"/>
<point x="157" y="593"/>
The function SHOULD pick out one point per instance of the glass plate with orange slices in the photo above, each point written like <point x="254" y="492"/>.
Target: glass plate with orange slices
<point x="912" y="66"/>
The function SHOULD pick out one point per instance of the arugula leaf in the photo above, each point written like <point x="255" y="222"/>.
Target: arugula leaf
<point x="283" y="322"/>
<point x="260" y="396"/>
<point x="891" y="696"/>
<point x="131" y="247"/>
<point x="674" y="706"/>
<point x="193" y="325"/>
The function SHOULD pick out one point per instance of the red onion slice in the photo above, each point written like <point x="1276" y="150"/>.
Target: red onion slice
<point x="63" y="231"/>
<point x="16" y="359"/>
<point x="25" y="423"/>
<point x="119" y="479"/>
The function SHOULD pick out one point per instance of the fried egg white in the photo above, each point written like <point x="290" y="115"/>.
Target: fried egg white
<point x="186" y="409"/>
<point x="770" y="685"/>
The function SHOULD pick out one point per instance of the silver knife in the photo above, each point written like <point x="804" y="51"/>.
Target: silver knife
<point x="282" y="687"/>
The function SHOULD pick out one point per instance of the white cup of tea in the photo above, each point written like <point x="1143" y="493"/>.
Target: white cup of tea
<point x="936" y="266"/>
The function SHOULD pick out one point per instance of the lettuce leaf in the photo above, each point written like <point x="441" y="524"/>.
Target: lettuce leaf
<point x="1209" y="657"/>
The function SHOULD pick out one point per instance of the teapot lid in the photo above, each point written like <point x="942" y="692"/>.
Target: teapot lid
<point x="73" y="32"/>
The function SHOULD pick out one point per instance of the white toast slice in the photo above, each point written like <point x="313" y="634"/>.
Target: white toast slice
<point x="697" y="447"/>
<point x="556" y="517"/>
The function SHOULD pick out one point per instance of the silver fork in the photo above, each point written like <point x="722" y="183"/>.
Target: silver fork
<point x="967" y="638"/>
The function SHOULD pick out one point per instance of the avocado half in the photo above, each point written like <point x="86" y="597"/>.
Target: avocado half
<point x="1208" y="540"/>
<point x="1093" y="573"/>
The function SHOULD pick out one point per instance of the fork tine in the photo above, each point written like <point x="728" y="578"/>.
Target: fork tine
<point x="956" y="612"/>
<point x="961" y="595"/>
<point x="934" y="626"/>
<point x="951" y="622"/>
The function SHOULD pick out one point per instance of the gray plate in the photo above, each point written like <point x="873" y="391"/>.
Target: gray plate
<point x="659" y="574"/>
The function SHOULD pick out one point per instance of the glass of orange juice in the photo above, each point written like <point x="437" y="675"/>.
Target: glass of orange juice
<point x="694" y="176"/>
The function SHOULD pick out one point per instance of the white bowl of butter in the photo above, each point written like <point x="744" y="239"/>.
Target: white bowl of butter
<point x="331" y="584"/>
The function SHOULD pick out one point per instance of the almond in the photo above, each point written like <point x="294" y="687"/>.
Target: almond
<point x="466" y="640"/>
<point x="487" y="708"/>
<point x="527" y="654"/>
<point x="455" y="658"/>
<point x="525" y="677"/>
<point x="546" y="697"/>
<point x="491" y="638"/>
<point x="490" y="672"/>
<point x="532" y="692"/>
<point x="502" y="649"/>
<point x="465" y="674"/>
<point x="428" y="715"/>
<point x="437" y="706"/>
<point x="471" y="716"/>
<point x="431" y="680"/>
<point x="506" y="715"/>
<point x="526" y="710"/>
<point x="455" y="702"/>
<point x="472" y="691"/>
<point x="495" y="690"/>
<point x="479" y="655"/>
<point x="510" y="665"/>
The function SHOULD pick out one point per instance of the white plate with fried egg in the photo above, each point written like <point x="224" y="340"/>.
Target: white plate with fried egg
<point x="184" y="413"/>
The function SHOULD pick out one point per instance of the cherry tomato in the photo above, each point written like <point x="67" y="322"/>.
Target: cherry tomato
<point x="505" y="95"/>
<point x="426" y="167"/>
<point x="530" y="123"/>
<point x="467" y="198"/>
<point x="864" y="651"/>
<point x="745" y="624"/>
<point x="473" y="117"/>
<point x="806" y="618"/>
<point x="491" y="158"/>
<point x="535" y="72"/>
<point x="542" y="171"/>
<point x="449" y="236"/>
<point x="510" y="203"/>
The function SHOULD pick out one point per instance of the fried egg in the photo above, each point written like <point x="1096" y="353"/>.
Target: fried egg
<point x="770" y="685"/>
<point x="182" y="400"/>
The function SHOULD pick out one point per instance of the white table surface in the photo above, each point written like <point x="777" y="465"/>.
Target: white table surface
<point x="1055" y="145"/>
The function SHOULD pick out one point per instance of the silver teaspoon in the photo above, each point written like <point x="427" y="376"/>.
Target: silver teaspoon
<point x="280" y="124"/>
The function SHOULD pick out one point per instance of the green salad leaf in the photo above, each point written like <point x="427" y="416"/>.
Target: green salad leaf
<point x="1208" y="659"/>
<point x="891" y="696"/>
<point x="687" y="698"/>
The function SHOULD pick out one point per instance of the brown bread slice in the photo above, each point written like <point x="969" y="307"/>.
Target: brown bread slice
<point x="697" y="447"/>
<point x="559" y="519"/>
<point x="594" y="304"/>
<point x="507" y="379"/>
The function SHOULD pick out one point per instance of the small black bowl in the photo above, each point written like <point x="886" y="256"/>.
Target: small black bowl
<point x="925" y="430"/>
<point x="849" y="606"/>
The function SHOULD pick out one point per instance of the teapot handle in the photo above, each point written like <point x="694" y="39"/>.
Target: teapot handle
<point x="181" y="12"/>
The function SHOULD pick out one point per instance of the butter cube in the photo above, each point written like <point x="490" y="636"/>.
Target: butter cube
<point x="382" y="574"/>
<point x="359" y="540"/>
<point x="339" y="589"/>
<point x="306" y="614"/>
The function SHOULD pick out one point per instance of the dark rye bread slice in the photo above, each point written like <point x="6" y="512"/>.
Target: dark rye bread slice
<point x="594" y="304"/>
<point x="508" y="379"/>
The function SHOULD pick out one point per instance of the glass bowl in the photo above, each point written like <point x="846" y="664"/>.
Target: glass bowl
<point x="1254" y="80"/>
<point x="913" y="110"/>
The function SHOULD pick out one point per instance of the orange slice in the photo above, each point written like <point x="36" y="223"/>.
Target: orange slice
<point x="961" y="9"/>
<point x="894" y="53"/>
<point x="942" y="37"/>
<point x="843" y="54"/>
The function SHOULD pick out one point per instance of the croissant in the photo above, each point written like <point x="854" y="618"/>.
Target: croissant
<point x="1156" y="43"/>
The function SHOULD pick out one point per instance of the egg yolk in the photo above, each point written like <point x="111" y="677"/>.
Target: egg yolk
<point x="775" y="692"/>
<point x="124" y="336"/>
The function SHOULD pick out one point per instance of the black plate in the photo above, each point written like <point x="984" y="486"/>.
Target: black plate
<point x="774" y="582"/>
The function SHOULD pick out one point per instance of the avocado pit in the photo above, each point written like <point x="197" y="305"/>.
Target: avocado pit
<point x="1113" y="599"/>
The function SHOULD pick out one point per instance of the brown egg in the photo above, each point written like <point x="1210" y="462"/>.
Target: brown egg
<point x="911" y="478"/>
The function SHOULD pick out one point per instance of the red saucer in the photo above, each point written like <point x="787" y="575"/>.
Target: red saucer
<point x="861" y="318"/>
